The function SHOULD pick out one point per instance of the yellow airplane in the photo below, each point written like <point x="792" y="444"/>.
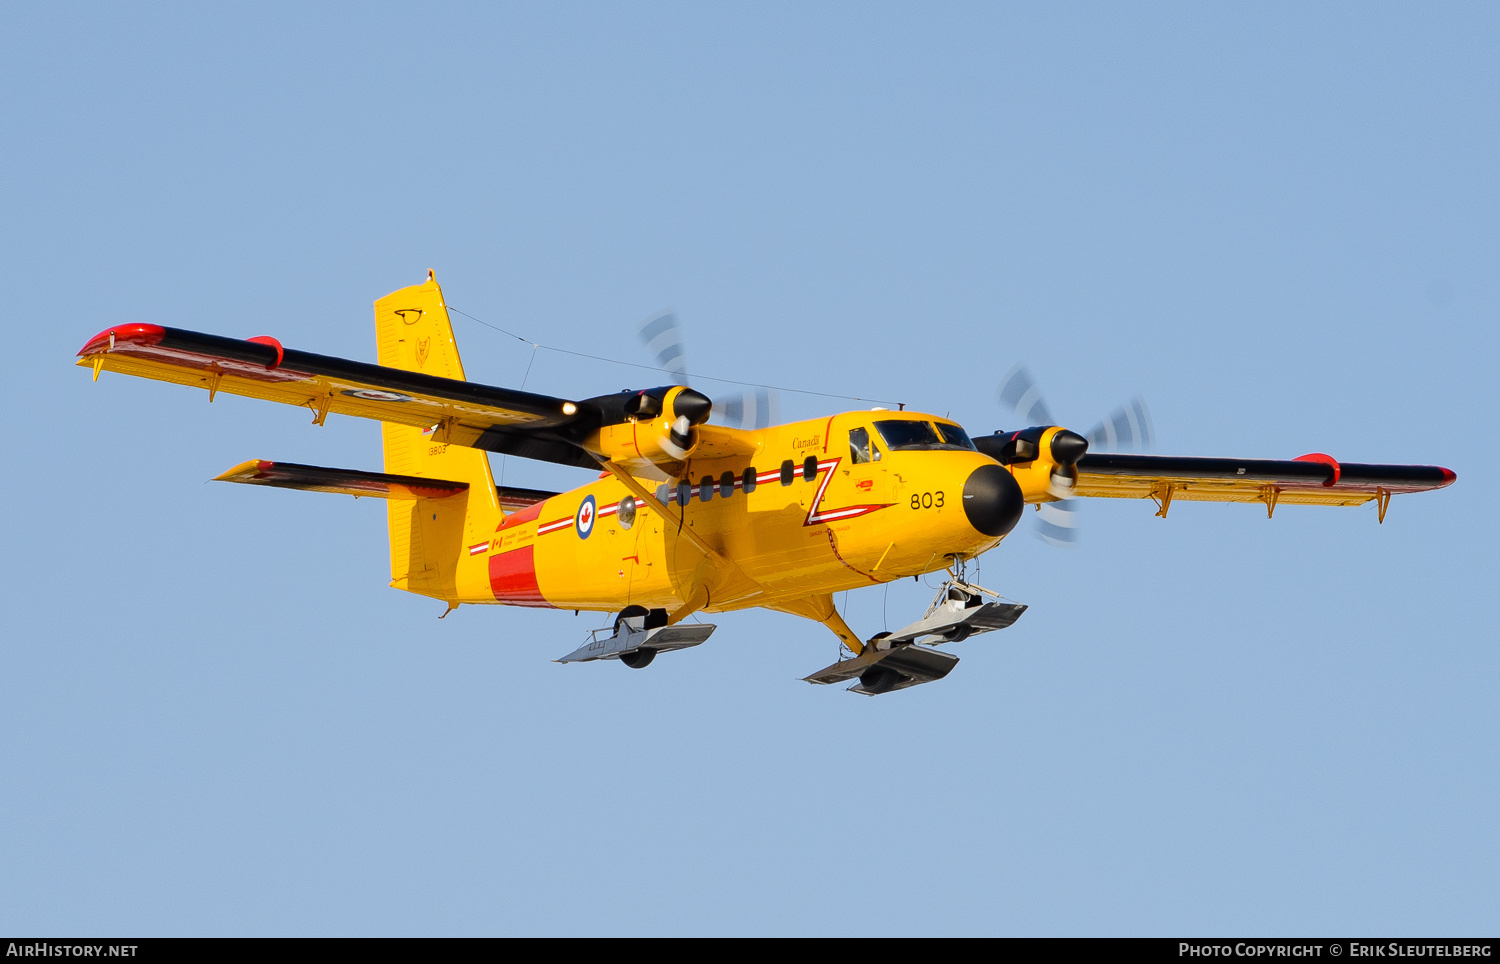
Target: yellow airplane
<point x="687" y="517"/>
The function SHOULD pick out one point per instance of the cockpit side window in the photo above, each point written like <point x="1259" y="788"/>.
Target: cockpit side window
<point x="859" y="447"/>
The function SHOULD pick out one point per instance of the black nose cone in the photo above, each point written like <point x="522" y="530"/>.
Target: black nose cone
<point x="1068" y="447"/>
<point x="992" y="500"/>
<point x="695" y="405"/>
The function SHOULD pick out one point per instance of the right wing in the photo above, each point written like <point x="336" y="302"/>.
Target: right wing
<point x="1310" y="480"/>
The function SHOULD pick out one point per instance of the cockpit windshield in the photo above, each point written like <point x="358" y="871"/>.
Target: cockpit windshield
<point x="954" y="435"/>
<point x="913" y="435"/>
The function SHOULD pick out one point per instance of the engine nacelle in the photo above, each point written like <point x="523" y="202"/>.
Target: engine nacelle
<point x="660" y="430"/>
<point x="1043" y="459"/>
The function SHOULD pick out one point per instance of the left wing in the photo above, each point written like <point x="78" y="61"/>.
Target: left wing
<point x="628" y="427"/>
<point x="1310" y="480"/>
<point x="454" y="411"/>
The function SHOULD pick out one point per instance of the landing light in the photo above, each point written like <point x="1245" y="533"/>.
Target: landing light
<point x="569" y="408"/>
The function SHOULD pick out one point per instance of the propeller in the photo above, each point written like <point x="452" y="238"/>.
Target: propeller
<point x="663" y="338"/>
<point x="751" y="409"/>
<point x="1127" y="427"/>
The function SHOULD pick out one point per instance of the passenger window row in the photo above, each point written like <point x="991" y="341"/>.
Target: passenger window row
<point x="726" y="484"/>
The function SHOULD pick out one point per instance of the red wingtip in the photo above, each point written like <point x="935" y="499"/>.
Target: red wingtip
<point x="1448" y="475"/>
<point x="133" y="334"/>
<point x="273" y="343"/>
<point x="1326" y="460"/>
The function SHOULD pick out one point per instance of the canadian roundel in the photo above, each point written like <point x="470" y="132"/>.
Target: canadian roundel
<point x="584" y="520"/>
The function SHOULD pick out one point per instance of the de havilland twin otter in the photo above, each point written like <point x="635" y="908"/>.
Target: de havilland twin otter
<point x="688" y="517"/>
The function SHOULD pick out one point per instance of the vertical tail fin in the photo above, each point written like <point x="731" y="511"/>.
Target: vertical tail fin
<point x="428" y="536"/>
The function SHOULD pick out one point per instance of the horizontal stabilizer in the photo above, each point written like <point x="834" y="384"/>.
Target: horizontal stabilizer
<point x="377" y="485"/>
<point x="514" y="500"/>
<point x="316" y="478"/>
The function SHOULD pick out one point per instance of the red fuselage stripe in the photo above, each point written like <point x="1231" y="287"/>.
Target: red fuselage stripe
<point x="513" y="578"/>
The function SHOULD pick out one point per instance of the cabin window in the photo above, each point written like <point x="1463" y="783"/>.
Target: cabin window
<point x="726" y="484"/>
<point x="684" y="492"/>
<point x="810" y="468"/>
<point x="860" y="449"/>
<point x="787" y="471"/>
<point x="952" y="435"/>
<point x="664" y="494"/>
<point x="747" y="480"/>
<point x="626" y="512"/>
<point x="706" y="488"/>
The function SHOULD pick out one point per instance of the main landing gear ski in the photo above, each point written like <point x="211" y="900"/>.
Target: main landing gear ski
<point x="638" y="635"/>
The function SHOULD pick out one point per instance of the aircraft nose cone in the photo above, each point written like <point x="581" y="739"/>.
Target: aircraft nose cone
<point x="992" y="500"/>
<point x="1068" y="447"/>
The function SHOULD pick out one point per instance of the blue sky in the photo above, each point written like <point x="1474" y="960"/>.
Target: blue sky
<point x="1277" y="223"/>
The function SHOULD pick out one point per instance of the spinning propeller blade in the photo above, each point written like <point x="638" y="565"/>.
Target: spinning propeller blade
<point x="1055" y="522"/>
<point x="663" y="338"/>
<point x="751" y="409"/>
<point x="1019" y="393"/>
<point x="1127" y="427"/>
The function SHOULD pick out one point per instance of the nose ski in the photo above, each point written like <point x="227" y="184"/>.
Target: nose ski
<point x="894" y="661"/>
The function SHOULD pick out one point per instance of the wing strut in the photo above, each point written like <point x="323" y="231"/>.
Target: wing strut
<point x="738" y="585"/>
